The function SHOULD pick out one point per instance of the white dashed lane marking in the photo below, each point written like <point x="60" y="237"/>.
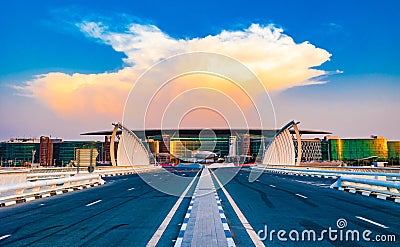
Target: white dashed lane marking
<point x="305" y="197"/>
<point x="372" y="222"/>
<point x="92" y="203"/>
<point x="5" y="236"/>
<point x="313" y="183"/>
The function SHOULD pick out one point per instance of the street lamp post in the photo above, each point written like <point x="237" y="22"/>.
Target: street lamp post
<point x="33" y="157"/>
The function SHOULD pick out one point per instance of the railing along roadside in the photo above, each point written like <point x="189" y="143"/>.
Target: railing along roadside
<point x="380" y="188"/>
<point x="383" y="185"/>
<point x="22" y="192"/>
<point x="43" y="174"/>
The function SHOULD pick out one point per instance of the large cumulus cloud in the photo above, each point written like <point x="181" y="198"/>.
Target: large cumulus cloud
<point x="275" y="57"/>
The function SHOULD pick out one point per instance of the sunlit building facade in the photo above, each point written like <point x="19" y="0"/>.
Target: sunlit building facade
<point x="353" y="149"/>
<point x="186" y="147"/>
<point x="393" y="149"/>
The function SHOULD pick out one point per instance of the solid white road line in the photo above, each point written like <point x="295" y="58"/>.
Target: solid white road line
<point x="273" y="186"/>
<point x="92" y="203"/>
<point x="371" y="221"/>
<point x="305" y="197"/>
<point x="249" y="229"/>
<point x="157" y="235"/>
<point x="5" y="236"/>
<point x="131" y="189"/>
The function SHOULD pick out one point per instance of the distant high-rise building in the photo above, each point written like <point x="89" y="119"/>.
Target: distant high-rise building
<point x="165" y="144"/>
<point x="245" y="144"/>
<point x="106" y="148"/>
<point x="45" y="151"/>
<point x="232" y="146"/>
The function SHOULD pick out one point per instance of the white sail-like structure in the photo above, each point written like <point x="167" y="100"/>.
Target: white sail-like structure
<point x="131" y="150"/>
<point x="281" y="150"/>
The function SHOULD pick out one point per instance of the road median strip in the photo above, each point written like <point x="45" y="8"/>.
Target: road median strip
<point x="205" y="222"/>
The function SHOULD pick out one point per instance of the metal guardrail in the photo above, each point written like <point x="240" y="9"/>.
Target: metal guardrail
<point x="46" y="175"/>
<point x="57" y="169"/>
<point x="340" y="168"/>
<point x="52" y="173"/>
<point x="375" y="182"/>
<point x="58" y="181"/>
<point x="37" y="185"/>
<point x="383" y="183"/>
<point x="369" y="185"/>
<point x="117" y="172"/>
<point x="12" y="193"/>
<point x="330" y="172"/>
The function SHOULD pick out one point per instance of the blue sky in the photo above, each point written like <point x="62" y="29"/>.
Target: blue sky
<point x="361" y="36"/>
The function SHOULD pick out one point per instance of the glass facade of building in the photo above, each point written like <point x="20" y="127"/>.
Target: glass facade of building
<point x="325" y="154"/>
<point x="257" y="147"/>
<point x="18" y="153"/>
<point x="393" y="149"/>
<point x="312" y="149"/>
<point x="187" y="147"/>
<point x="351" y="149"/>
<point x="64" y="152"/>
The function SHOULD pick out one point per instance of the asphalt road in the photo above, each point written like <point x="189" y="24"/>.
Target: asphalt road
<point x="284" y="202"/>
<point x="126" y="211"/>
<point x="123" y="212"/>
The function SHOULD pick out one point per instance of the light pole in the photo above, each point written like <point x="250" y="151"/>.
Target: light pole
<point x="33" y="157"/>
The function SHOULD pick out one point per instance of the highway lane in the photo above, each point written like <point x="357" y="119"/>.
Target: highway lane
<point x="284" y="202"/>
<point x="125" y="211"/>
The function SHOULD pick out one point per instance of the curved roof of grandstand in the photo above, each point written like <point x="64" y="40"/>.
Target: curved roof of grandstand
<point x="218" y="132"/>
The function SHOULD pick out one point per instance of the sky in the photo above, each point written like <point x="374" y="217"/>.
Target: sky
<point x="66" y="67"/>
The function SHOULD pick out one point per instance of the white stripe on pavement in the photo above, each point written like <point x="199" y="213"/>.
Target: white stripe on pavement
<point x="157" y="235"/>
<point x="305" y="197"/>
<point x="372" y="222"/>
<point x="5" y="236"/>
<point x="92" y="203"/>
<point x="249" y="229"/>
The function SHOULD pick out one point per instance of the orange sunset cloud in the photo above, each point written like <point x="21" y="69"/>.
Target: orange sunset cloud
<point x="277" y="60"/>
